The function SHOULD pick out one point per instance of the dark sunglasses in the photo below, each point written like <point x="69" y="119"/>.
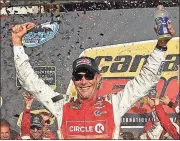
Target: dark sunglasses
<point x="88" y="76"/>
<point x="35" y="127"/>
<point x="47" y="121"/>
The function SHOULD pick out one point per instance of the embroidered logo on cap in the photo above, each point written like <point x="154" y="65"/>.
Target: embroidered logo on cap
<point x="83" y="61"/>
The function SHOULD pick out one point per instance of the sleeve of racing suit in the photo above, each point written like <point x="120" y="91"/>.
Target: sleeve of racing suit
<point x="166" y="122"/>
<point x="138" y="87"/>
<point x="32" y="83"/>
<point x="25" y="124"/>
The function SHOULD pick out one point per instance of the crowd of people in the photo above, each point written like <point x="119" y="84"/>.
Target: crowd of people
<point x="89" y="116"/>
<point x="34" y="124"/>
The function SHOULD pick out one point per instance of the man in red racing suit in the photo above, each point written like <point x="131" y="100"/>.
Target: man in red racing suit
<point x="166" y="122"/>
<point x="88" y="117"/>
<point x="161" y="127"/>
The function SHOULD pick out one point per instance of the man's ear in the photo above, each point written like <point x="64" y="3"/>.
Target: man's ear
<point x="72" y="78"/>
<point x="98" y="78"/>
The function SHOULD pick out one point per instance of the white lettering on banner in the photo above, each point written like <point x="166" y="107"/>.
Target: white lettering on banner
<point x="81" y="128"/>
<point x="99" y="128"/>
<point x="143" y="120"/>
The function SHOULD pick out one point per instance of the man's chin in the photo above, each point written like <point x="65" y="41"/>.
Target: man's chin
<point x="84" y="97"/>
<point x="36" y="138"/>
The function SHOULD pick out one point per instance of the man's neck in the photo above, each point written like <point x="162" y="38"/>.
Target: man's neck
<point x="92" y="97"/>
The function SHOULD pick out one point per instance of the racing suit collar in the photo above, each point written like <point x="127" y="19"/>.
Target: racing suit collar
<point x="88" y="101"/>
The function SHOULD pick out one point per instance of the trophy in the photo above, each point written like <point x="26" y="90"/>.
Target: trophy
<point x="39" y="34"/>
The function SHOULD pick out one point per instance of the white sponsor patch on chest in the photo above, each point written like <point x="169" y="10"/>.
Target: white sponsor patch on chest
<point x="86" y="127"/>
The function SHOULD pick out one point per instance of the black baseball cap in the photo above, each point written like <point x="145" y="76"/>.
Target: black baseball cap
<point x="85" y="62"/>
<point x="36" y="120"/>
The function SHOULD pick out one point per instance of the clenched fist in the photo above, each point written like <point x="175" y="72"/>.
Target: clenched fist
<point x="18" y="31"/>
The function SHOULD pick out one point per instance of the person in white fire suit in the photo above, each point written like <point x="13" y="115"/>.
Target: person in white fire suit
<point x="90" y="116"/>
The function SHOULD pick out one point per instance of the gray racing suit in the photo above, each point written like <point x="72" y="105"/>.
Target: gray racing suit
<point x="121" y="102"/>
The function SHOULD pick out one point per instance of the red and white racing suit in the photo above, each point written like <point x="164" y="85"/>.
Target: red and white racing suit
<point x="91" y="119"/>
<point x="25" y="127"/>
<point x="169" y="127"/>
<point x="162" y="127"/>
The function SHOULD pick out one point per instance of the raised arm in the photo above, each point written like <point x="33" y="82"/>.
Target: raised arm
<point x="25" y="123"/>
<point x="148" y="77"/>
<point x="165" y="121"/>
<point x="26" y="75"/>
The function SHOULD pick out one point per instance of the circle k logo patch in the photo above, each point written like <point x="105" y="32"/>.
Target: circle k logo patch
<point x="99" y="128"/>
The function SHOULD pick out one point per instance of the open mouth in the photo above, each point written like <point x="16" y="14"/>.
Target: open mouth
<point x="84" y="88"/>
